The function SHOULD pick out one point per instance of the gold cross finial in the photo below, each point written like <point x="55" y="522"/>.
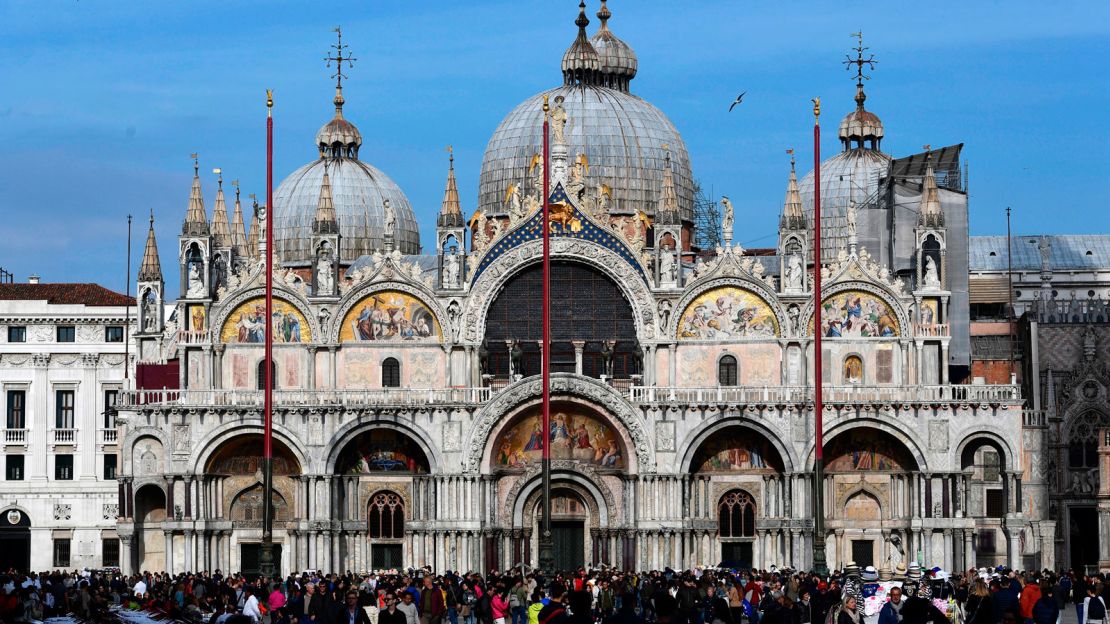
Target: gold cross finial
<point x="196" y="163"/>
<point x="339" y="58"/>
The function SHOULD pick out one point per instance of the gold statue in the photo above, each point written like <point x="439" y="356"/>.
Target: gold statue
<point x="816" y="107"/>
<point x="269" y="98"/>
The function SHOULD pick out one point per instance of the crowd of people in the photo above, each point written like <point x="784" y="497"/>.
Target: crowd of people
<point x="607" y="596"/>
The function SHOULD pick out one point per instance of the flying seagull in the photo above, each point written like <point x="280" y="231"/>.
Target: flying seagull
<point x="738" y="99"/>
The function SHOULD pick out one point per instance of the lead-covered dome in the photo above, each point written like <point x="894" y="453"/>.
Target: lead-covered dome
<point x="618" y="60"/>
<point x="359" y="191"/>
<point x="622" y="135"/>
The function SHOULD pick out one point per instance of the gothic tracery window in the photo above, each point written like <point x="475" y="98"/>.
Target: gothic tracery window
<point x="386" y="516"/>
<point x="736" y="515"/>
<point x="1083" y="440"/>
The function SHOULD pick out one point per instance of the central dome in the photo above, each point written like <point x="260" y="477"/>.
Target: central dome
<point x="622" y="135"/>
<point x="359" y="192"/>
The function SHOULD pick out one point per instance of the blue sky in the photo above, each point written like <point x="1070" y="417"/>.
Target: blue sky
<point x="101" y="102"/>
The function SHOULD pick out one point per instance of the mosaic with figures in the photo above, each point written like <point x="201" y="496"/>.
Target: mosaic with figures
<point x="574" y="435"/>
<point x="857" y="314"/>
<point x="389" y="315"/>
<point x="246" y="324"/>
<point x="727" y="312"/>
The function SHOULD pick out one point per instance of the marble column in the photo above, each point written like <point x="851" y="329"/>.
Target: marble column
<point x="169" y="551"/>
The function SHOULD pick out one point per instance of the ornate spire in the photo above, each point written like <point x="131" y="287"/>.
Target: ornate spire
<point x="450" y="212"/>
<point x="860" y="126"/>
<point x="252" y="238"/>
<point x="196" y="218"/>
<point x="793" y="217"/>
<point x="238" y="229"/>
<point x="618" y="61"/>
<point x="339" y="138"/>
<point x="581" y="63"/>
<point x="930" y="213"/>
<point x="151" y="268"/>
<point x="221" y="231"/>
<point x="668" y="213"/>
<point x="325" y="221"/>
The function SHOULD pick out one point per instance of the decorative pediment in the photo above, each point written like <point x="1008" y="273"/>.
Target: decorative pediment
<point x="860" y="267"/>
<point x="731" y="262"/>
<point x="387" y="267"/>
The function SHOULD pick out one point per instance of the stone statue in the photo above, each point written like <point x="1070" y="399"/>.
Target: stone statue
<point x="451" y="270"/>
<point x="850" y="219"/>
<point x="602" y="201"/>
<point x="1045" y="248"/>
<point x="558" y="122"/>
<point x="795" y="316"/>
<point x="513" y="202"/>
<point x="667" y="268"/>
<point x="454" y="310"/>
<point x="931" y="277"/>
<point x="150" y="312"/>
<point x="726" y="221"/>
<point x="390" y="217"/>
<point x="664" y="313"/>
<point x="576" y="186"/>
<point x="195" y="284"/>
<point x="795" y="272"/>
<point x="325" y="278"/>
<point x="219" y="272"/>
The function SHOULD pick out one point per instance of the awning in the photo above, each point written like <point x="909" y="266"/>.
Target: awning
<point x="988" y="289"/>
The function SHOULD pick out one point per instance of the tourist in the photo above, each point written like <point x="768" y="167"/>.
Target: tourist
<point x="1094" y="607"/>
<point x="408" y="606"/>
<point x="1046" y="610"/>
<point x="891" y="613"/>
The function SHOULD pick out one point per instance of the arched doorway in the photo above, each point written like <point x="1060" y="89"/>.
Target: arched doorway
<point x="375" y="468"/>
<point x="870" y="483"/>
<point x="15" y="540"/>
<point x="982" y="461"/>
<point x="591" y="309"/>
<point x="150" y="512"/>
<point x="569" y="518"/>
<point x="235" y="471"/>
<point x="736" y="529"/>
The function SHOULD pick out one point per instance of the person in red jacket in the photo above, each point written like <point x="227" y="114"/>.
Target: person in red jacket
<point x="1030" y="594"/>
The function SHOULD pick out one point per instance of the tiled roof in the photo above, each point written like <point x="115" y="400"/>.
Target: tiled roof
<point x="1081" y="252"/>
<point x="64" y="294"/>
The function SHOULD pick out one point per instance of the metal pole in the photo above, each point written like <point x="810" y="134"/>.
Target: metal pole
<point x="1010" y="291"/>
<point x="547" y="554"/>
<point x="266" y="556"/>
<point x="127" y="316"/>
<point x="820" y="564"/>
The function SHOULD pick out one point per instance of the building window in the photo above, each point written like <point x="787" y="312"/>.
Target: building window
<point x="853" y="370"/>
<point x="113" y="333"/>
<point x="736" y="515"/>
<point x="17" y="333"/>
<point x="987" y="541"/>
<point x="67" y="333"/>
<point x="109" y="552"/>
<point x="726" y="371"/>
<point x="111" y="399"/>
<point x="884" y="366"/>
<point x="391" y="373"/>
<point x="61" y="552"/>
<point x="110" y="460"/>
<point x="13" y="467"/>
<point x="63" y="467"/>
<point x="387" y="516"/>
<point x="17" y="409"/>
<point x="996" y="503"/>
<point x="63" y="409"/>
<point x="262" y="374"/>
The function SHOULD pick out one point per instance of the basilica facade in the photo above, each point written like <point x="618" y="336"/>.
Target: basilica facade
<point x="406" y="419"/>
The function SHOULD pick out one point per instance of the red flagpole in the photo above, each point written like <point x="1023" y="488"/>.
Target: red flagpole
<point x="546" y="546"/>
<point x="266" y="558"/>
<point x="820" y="564"/>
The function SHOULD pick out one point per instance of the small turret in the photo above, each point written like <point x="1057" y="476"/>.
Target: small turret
<point x="196" y="218"/>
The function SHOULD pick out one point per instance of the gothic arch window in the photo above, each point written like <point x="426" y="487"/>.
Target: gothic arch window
<point x="386" y="516"/>
<point x="391" y="373"/>
<point x="261" y="372"/>
<point x="727" y="370"/>
<point x="736" y="515"/>
<point x="1083" y="440"/>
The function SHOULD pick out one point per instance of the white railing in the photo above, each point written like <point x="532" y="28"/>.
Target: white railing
<point x="831" y="394"/>
<point x="931" y="329"/>
<point x="293" y="398"/>
<point x="109" y="436"/>
<point x="65" y="436"/>
<point x="15" y="436"/>
<point x="192" y="337"/>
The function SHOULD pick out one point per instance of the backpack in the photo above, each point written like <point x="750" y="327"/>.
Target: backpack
<point x="1096" y="609"/>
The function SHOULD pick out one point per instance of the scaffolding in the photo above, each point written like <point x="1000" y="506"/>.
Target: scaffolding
<point x="707" y="219"/>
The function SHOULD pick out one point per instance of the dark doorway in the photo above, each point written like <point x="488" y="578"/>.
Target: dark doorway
<point x="250" y="556"/>
<point x="863" y="552"/>
<point x="570" y="546"/>
<point x="736" y="555"/>
<point x="1084" y="537"/>
<point x="385" y="556"/>
<point x="15" y="540"/>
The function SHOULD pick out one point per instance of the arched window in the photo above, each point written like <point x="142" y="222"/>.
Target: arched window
<point x="391" y="373"/>
<point x="386" y="516"/>
<point x="736" y="515"/>
<point x="262" y="374"/>
<point x="726" y="371"/>
<point x="1083" y="440"/>
<point x="853" y="370"/>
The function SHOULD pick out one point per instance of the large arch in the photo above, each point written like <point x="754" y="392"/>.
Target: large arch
<point x="602" y="397"/>
<point x="362" y="291"/>
<point x="350" y="431"/>
<point x="735" y="449"/>
<point x="977" y="439"/>
<point x="579" y="433"/>
<point x="215" y="439"/>
<point x="494" y="278"/>
<point x="759" y="291"/>
<point x="380" y="450"/>
<point x="884" y="296"/>
<point x="294" y="300"/>
<point x="842" y="427"/>
<point x="15" y="538"/>
<point x="150" y="512"/>
<point x="727" y="420"/>
<point x="868" y="449"/>
<point x="531" y="483"/>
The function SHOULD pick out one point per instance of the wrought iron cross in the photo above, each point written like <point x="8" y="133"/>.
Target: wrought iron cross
<point x="859" y="61"/>
<point x="339" y="59"/>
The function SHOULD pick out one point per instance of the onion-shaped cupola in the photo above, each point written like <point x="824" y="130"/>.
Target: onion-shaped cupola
<point x="618" y="59"/>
